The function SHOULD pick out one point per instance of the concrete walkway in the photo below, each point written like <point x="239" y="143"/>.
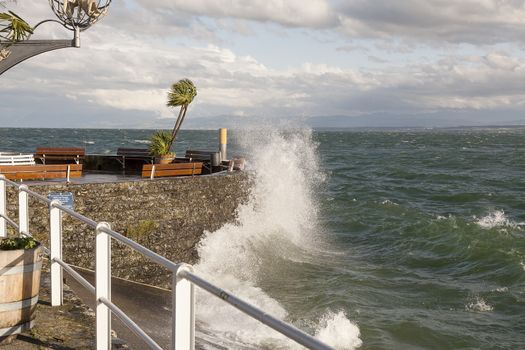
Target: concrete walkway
<point x="147" y="306"/>
<point x="72" y="325"/>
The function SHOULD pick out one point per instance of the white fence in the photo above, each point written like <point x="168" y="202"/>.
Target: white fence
<point x="183" y="280"/>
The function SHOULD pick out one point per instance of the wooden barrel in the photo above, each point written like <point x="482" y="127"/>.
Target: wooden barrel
<point x="19" y="285"/>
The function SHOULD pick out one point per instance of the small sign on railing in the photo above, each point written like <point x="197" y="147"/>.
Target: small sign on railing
<point x="65" y="198"/>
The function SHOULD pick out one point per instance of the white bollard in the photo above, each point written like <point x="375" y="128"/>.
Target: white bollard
<point x="23" y="210"/>
<point x="55" y="240"/>
<point x="3" y="207"/>
<point x="183" y="311"/>
<point x="103" y="286"/>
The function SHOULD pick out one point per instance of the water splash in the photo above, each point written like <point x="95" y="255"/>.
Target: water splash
<point x="337" y="330"/>
<point x="496" y="219"/>
<point x="478" y="304"/>
<point x="275" y="228"/>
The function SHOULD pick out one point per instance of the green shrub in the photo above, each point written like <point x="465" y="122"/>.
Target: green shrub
<point x="160" y="143"/>
<point x="18" y="243"/>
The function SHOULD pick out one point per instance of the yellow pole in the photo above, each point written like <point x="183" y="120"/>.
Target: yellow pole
<point x="223" y="141"/>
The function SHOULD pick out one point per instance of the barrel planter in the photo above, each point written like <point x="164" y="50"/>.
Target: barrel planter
<point x="19" y="286"/>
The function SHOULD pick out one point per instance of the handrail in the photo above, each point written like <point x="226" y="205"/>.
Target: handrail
<point x="131" y="325"/>
<point x="272" y="322"/>
<point x="183" y="314"/>
<point x="76" y="276"/>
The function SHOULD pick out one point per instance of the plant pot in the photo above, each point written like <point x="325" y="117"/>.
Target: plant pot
<point x="19" y="286"/>
<point x="166" y="159"/>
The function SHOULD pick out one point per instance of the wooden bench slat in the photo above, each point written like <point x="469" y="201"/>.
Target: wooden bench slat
<point x="130" y="152"/>
<point x="61" y="150"/>
<point x="40" y="168"/>
<point x="24" y="172"/>
<point x="60" y="153"/>
<point x="44" y="175"/>
<point x="173" y="169"/>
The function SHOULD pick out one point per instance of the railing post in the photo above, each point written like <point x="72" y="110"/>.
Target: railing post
<point x="183" y="311"/>
<point x="55" y="240"/>
<point x="103" y="286"/>
<point x="3" y="206"/>
<point x="23" y="210"/>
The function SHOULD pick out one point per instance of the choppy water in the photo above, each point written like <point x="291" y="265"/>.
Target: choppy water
<point x="367" y="239"/>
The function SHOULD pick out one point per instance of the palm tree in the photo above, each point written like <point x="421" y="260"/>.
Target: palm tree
<point x="181" y="94"/>
<point x="14" y="28"/>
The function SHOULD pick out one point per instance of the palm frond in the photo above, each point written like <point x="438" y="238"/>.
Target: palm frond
<point x="160" y="143"/>
<point x="181" y="93"/>
<point x="13" y="27"/>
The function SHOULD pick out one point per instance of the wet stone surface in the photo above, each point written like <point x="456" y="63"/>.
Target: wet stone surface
<point x="168" y="216"/>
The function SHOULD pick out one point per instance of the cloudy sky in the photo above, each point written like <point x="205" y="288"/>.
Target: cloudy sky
<point x="323" y="62"/>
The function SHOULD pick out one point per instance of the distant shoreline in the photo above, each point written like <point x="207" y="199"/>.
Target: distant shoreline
<point x="323" y="129"/>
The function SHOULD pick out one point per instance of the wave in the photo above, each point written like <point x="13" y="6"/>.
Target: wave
<point x="142" y="141"/>
<point x="478" y="304"/>
<point x="497" y="219"/>
<point x="276" y="228"/>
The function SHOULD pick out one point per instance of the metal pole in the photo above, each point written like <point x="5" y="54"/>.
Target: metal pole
<point x="183" y="311"/>
<point x="223" y="142"/>
<point x="103" y="286"/>
<point x="23" y="210"/>
<point x="3" y="207"/>
<point x="76" y="37"/>
<point x="55" y="240"/>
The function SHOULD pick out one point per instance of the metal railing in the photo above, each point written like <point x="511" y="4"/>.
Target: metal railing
<point x="183" y="280"/>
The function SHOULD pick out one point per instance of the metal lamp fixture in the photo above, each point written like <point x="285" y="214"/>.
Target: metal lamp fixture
<point x="75" y="15"/>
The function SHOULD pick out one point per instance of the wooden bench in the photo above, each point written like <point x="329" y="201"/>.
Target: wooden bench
<point x="16" y="159"/>
<point x="204" y="156"/>
<point x="75" y="154"/>
<point x="141" y="154"/>
<point x="173" y="169"/>
<point x="209" y="158"/>
<point x="38" y="171"/>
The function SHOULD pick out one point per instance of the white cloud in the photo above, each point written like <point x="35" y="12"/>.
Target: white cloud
<point x="119" y="71"/>
<point x="294" y="13"/>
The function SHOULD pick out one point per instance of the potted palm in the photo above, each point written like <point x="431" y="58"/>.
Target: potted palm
<point x="160" y="147"/>
<point x="180" y="95"/>
<point x="20" y="263"/>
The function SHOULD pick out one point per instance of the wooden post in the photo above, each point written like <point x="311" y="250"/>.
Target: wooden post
<point x="223" y="141"/>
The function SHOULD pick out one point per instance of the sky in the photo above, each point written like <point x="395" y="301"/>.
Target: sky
<point x="326" y="63"/>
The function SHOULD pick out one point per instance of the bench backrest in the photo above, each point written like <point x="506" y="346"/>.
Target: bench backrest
<point x="75" y="154"/>
<point x="61" y="151"/>
<point x="133" y="152"/>
<point x="26" y="172"/>
<point x="173" y="169"/>
<point x="17" y="159"/>
<point x="204" y="156"/>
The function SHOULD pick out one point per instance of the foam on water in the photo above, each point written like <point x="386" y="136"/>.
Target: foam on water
<point x="277" y="223"/>
<point x="478" y="304"/>
<point x="497" y="218"/>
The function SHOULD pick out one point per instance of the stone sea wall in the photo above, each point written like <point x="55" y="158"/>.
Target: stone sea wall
<point x="168" y="216"/>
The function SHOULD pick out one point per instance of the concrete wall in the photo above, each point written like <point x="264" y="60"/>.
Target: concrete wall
<point x="168" y="216"/>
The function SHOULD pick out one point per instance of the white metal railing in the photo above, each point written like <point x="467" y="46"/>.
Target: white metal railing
<point x="183" y="280"/>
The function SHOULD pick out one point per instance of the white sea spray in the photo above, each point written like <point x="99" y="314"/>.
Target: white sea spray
<point x="279" y="220"/>
<point x="498" y="219"/>
<point x="478" y="304"/>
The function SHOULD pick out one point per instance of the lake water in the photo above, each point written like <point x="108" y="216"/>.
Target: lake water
<point x="392" y="239"/>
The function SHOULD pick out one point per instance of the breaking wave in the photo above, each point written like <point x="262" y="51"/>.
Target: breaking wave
<point x="496" y="219"/>
<point x="276" y="228"/>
